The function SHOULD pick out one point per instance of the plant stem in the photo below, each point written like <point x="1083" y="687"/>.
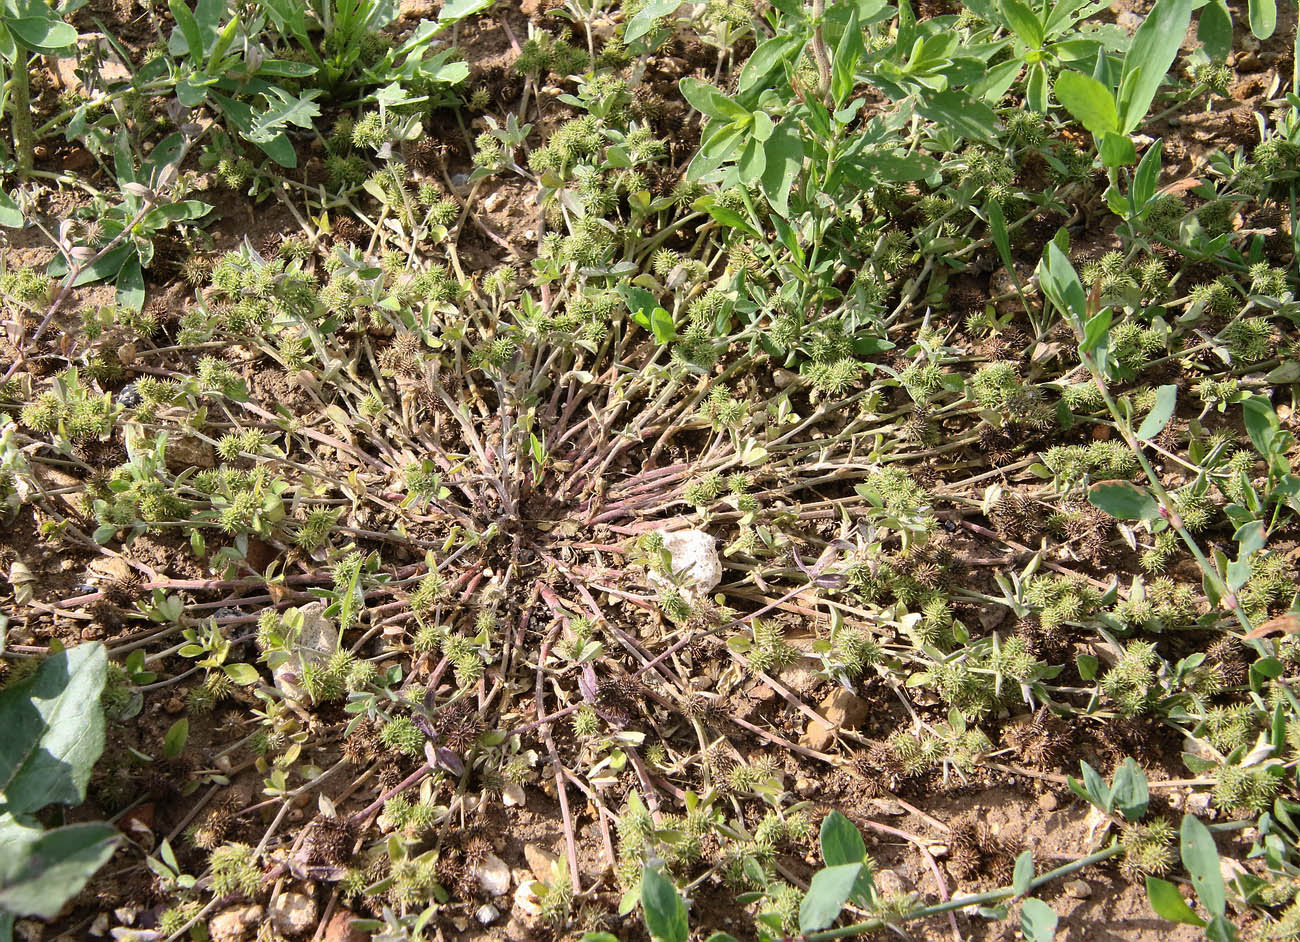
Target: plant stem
<point x="992" y="896"/>
<point x="21" y="109"/>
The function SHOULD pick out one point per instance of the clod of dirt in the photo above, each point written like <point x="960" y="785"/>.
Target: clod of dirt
<point x="493" y="875"/>
<point x="233" y="925"/>
<point x="1078" y="889"/>
<point x="293" y="913"/>
<point x="340" y="928"/>
<point x="843" y="708"/>
<point x="694" y="556"/>
<point x="189" y="452"/>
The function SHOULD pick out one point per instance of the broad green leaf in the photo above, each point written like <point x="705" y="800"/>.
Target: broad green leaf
<point x="174" y="741"/>
<point x="130" y="284"/>
<point x="707" y="100"/>
<point x="1160" y="414"/>
<point x="752" y="162"/>
<point x="847" y="53"/>
<point x="1023" y="874"/>
<point x="1128" y="794"/>
<point x="1263" y="18"/>
<point x="644" y="20"/>
<point x="243" y="674"/>
<point x="827" y="893"/>
<point x="188" y="27"/>
<point x="1168" y="903"/>
<point x="1023" y="23"/>
<point x="53" y="731"/>
<point x="1261" y="423"/>
<point x="665" y="913"/>
<point x="1214" y="29"/>
<point x="784" y="154"/>
<point x="1117" y="150"/>
<point x="38" y="28"/>
<point x="841" y="841"/>
<point x="10" y="215"/>
<point x="1153" y="51"/>
<point x="1147" y="177"/>
<point x="1201" y="858"/>
<point x="1037" y="921"/>
<point x="960" y="115"/>
<point x="1060" y="282"/>
<point x="1123" y="500"/>
<point x="1089" y="101"/>
<point x="42" y="870"/>
<point x="459" y="9"/>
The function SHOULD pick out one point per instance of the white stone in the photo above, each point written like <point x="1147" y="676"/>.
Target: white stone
<point x="487" y="914"/>
<point x="316" y="643"/>
<point x="493" y="875"/>
<point x="694" y="557"/>
<point x="528" y="899"/>
<point x="513" y="795"/>
<point x="293" y="914"/>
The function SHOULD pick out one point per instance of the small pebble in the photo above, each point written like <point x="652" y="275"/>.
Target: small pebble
<point x="1047" y="801"/>
<point x="174" y="705"/>
<point x="1078" y="889"/>
<point x="129" y="397"/>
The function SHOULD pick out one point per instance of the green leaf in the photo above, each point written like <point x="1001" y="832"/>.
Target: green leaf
<point x="10" y="215"/>
<point x="1128" y="793"/>
<point x="1117" y="150"/>
<point x="36" y="27"/>
<point x="644" y="20"/>
<point x="42" y="870"/>
<point x="1214" y="29"/>
<point x="1263" y="18"/>
<point x="1023" y="874"/>
<point x="847" y="53"/>
<point x="1160" y="414"/>
<point x="174" y="741"/>
<point x="707" y="100"/>
<point x="1123" y="500"/>
<point x="1153" y="51"/>
<point x="1089" y="101"/>
<point x="827" y="893"/>
<point x="1037" y="921"/>
<point x="960" y="115"/>
<point x="53" y="731"/>
<point x="784" y="153"/>
<point x="1060" y="282"/>
<point x="1023" y="22"/>
<point x="841" y="841"/>
<point x="1261" y="423"/>
<point x="459" y="9"/>
<point x="243" y="674"/>
<point x="130" y="284"/>
<point x="1001" y="237"/>
<point x="283" y="110"/>
<point x="1168" y="903"/>
<point x="188" y="27"/>
<point x="665" y="913"/>
<point x="1201" y="858"/>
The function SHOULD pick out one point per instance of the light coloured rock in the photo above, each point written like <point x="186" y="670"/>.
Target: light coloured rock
<point x="315" y="645"/>
<point x="234" y="925"/>
<point x="892" y="883"/>
<point x="487" y="914"/>
<point x="844" y="708"/>
<point x="513" y="795"/>
<point x="495" y="201"/>
<point x="293" y="914"/>
<point x="540" y="861"/>
<point x="528" y="901"/>
<point x="694" y="557"/>
<point x="1078" y="889"/>
<point x="493" y="875"/>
